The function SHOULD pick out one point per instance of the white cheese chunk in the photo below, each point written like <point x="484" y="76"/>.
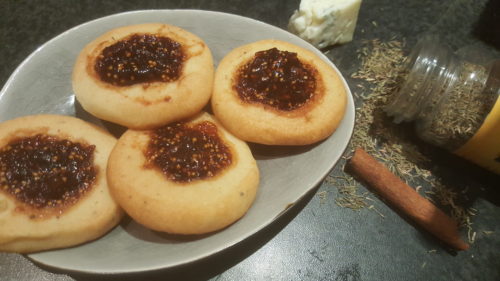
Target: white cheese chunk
<point x="325" y="22"/>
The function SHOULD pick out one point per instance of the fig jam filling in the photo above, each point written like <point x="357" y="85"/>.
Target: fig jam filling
<point x="140" y="58"/>
<point x="276" y="78"/>
<point x="185" y="153"/>
<point x="45" y="171"/>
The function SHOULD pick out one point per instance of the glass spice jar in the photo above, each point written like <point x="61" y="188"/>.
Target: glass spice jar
<point x="454" y="104"/>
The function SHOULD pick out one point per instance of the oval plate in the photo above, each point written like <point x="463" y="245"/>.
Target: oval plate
<point x="42" y="84"/>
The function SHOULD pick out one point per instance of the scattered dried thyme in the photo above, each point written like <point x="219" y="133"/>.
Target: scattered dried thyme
<point x="380" y="76"/>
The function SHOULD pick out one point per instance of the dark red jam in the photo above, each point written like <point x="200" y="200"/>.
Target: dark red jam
<point x="276" y="78"/>
<point x="188" y="152"/>
<point x="45" y="171"/>
<point x="141" y="58"/>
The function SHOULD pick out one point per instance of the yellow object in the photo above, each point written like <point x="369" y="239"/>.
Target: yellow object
<point x="484" y="147"/>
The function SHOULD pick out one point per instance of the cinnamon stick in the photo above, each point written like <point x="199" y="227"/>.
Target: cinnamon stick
<point x="405" y="199"/>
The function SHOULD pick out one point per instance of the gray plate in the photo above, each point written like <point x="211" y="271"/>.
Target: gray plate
<point x="42" y="84"/>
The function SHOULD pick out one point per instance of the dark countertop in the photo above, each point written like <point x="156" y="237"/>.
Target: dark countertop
<point x="315" y="239"/>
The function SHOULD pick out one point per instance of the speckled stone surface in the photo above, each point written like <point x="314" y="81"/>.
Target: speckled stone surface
<point x="315" y="239"/>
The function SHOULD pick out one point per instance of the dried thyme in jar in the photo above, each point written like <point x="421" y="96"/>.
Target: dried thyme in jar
<point x="454" y="103"/>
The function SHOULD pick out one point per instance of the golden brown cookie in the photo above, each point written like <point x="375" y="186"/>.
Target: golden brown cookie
<point x="53" y="187"/>
<point x="190" y="177"/>
<point x="143" y="76"/>
<point x="273" y="92"/>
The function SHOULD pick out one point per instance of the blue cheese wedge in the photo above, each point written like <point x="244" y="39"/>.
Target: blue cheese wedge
<point x="325" y="22"/>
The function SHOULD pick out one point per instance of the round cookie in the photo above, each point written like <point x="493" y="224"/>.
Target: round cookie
<point x="275" y="93"/>
<point x="143" y="76"/>
<point x="53" y="186"/>
<point x="190" y="177"/>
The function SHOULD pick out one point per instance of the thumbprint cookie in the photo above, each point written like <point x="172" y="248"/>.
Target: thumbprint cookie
<point x="276" y="93"/>
<point x="188" y="177"/>
<point x="143" y="76"/>
<point x="53" y="186"/>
